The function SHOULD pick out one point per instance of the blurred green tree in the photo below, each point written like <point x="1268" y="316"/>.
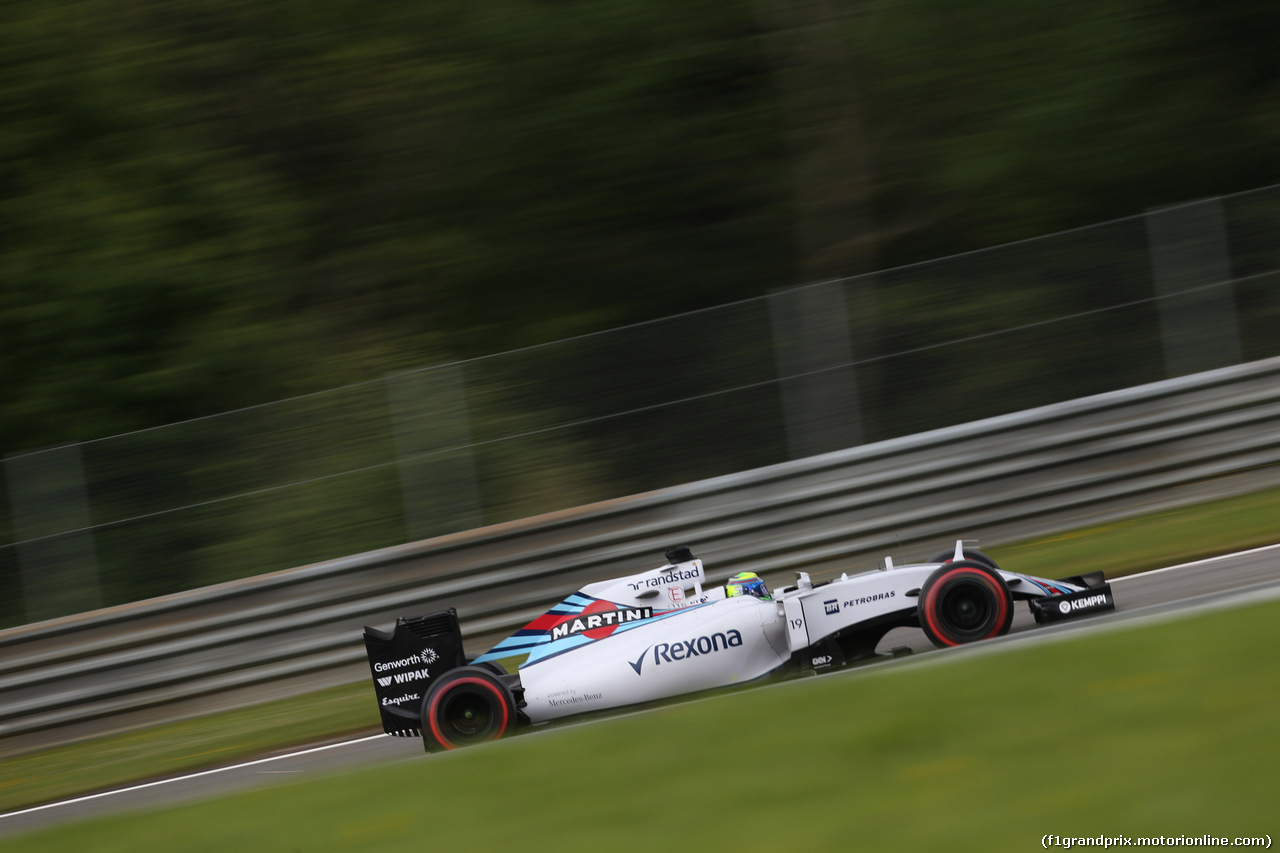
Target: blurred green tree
<point x="210" y="204"/>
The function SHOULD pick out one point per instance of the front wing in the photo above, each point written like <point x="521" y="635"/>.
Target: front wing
<point x="1083" y="603"/>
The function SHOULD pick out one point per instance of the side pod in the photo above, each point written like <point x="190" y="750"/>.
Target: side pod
<point x="405" y="662"/>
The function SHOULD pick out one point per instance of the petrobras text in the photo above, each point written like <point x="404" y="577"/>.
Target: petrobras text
<point x="879" y="596"/>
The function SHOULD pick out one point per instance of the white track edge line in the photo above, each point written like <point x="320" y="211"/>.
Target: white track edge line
<point x="242" y="765"/>
<point x="1195" y="563"/>
<point x="100" y="794"/>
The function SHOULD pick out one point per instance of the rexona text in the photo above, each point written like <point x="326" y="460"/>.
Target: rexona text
<point x="705" y="645"/>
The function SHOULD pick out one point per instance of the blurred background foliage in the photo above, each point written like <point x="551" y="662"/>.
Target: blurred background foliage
<point x="210" y="205"/>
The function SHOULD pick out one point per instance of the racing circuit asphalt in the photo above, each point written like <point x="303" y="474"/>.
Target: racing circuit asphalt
<point x="1218" y="581"/>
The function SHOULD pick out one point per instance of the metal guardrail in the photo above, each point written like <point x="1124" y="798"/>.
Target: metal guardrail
<point x="1123" y="452"/>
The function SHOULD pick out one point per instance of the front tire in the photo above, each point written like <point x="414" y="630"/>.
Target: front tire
<point x="964" y="601"/>
<point x="972" y="554"/>
<point x="466" y="706"/>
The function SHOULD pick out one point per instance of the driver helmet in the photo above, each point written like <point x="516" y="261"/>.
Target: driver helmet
<point x="747" y="583"/>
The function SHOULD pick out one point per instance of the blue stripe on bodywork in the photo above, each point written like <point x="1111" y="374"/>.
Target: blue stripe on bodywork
<point x="538" y="645"/>
<point x="559" y="647"/>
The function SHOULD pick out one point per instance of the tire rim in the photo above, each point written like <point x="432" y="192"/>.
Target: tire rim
<point x="469" y="711"/>
<point x="966" y="608"/>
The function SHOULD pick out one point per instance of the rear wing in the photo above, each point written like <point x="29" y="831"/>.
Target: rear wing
<point x="405" y="660"/>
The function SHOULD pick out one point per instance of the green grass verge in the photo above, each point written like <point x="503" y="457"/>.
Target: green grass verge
<point x="1161" y="729"/>
<point x="171" y="748"/>
<point x="1117" y="548"/>
<point x="1151" y="541"/>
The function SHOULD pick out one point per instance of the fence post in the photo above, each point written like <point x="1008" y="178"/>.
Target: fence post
<point x="1191" y="266"/>
<point x="51" y="523"/>
<point x="815" y="368"/>
<point x="433" y="448"/>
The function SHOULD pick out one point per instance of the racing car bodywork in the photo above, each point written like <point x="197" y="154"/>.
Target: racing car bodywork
<point x="665" y="633"/>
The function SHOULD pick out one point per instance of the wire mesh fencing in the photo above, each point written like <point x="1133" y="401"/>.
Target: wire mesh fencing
<point x="801" y="371"/>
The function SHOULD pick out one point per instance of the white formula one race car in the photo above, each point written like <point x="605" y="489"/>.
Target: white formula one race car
<point x="665" y="633"/>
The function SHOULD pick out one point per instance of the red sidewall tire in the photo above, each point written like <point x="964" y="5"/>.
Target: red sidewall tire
<point x="465" y="707"/>
<point x="959" y="592"/>
<point x="973" y="555"/>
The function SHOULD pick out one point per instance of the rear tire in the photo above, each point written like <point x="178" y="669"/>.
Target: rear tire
<point x="466" y="706"/>
<point x="964" y="601"/>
